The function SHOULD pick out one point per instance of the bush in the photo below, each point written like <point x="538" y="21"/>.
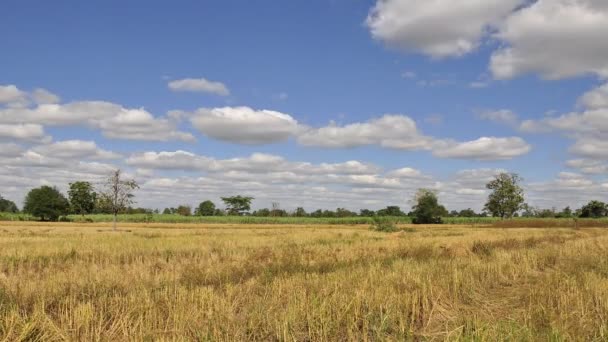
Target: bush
<point x="382" y="224"/>
<point x="427" y="209"/>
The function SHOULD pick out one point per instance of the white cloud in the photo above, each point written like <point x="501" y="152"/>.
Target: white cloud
<point x="74" y="149"/>
<point x="596" y="98"/>
<point x="244" y="125"/>
<point x="590" y="148"/>
<point x="43" y="96"/>
<point x="588" y="166"/>
<point x="199" y="85"/>
<point x="484" y="148"/>
<point x="10" y="150"/>
<point x="437" y="28"/>
<point x="392" y="131"/>
<point x="11" y="95"/>
<point x="26" y="132"/>
<point x="555" y="38"/>
<point x="588" y="127"/>
<point x="112" y="119"/>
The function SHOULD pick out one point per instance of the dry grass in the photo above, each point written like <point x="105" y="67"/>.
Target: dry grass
<point x="64" y="282"/>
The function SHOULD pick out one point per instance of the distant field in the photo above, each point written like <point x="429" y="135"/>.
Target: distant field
<point x="162" y="281"/>
<point x="159" y="218"/>
<point x="142" y="218"/>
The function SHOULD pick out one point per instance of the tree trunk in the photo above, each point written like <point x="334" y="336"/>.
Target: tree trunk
<point x="114" y="223"/>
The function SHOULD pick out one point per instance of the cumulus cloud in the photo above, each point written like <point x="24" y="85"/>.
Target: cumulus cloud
<point x="25" y="132"/>
<point x="437" y="28"/>
<point x="244" y="125"/>
<point x="555" y="38"/>
<point x="257" y="163"/>
<point x="200" y="85"/>
<point x="112" y="119"/>
<point x="596" y="98"/>
<point x="588" y="127"/>
<point x="588" y="166"/>
<point x="43" y="96"/>
<point x="390" y="130"/>
<point x="401" y="132"/>
<point x="484" y="148"/>
<point x="12" y="96"/>
<point x="75" y="149"/>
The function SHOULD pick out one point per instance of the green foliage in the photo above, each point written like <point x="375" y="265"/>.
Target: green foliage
<point x="7" y="206"/>
<point x="184" y="210"/>
<point x="391" y="210"/>
<point x="237" y="205"/>
<point x="467" y="213"/>
<point x="82" y="198"/>
<point x="427" y="209"/>
<point x="367" y="213"/>
<point x="206" y="208"/>
<point x="507" y="196"/>
<point x="46" y="203"/>
<point x="594" y="209"/>
<point x="383" y="224"/>
<point x="300" y="212"/>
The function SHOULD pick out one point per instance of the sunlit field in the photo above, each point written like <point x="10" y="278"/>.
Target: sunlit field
<point x="163" y="281"/>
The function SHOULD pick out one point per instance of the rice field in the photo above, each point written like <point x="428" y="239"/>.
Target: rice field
<point x="300" y="282"/>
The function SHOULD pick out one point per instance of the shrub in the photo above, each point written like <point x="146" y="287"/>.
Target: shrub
<point x="382" y="224"/>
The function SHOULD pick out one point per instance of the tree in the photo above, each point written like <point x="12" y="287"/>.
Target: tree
<point x="427" y="209"/>
<point x="507" y="196"/>
<point x="467" y="213"/>
<point x="391" y="210"/>
<point x="300" y="212"/>
<point x="206" y="208"/>
<point x="82" y="198"/>
<point x="565" y="213"/>
<point x="117" y="194"/>
<point x="184" y="210"/>
<point x="594" y="209"/>
<point x="167" y="211"/>
<point x="7" y="206"/>
<point x="237" y="205"/>
<point x="47" y="203"/>
<point x="367" y="213"/>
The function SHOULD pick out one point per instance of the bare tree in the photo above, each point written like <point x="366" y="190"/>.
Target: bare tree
<point x="117" y="194"/>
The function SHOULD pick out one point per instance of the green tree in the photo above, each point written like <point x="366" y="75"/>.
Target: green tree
<point x="367" y="213"/>
<point x="117" y="194"/>
<point x="594" y="209"/>
<point x="47" y="203"/>
<point x="391" y="210"/>
<point x="82" y="198"/>
<point x="300" y="212"/>
<point x="467" y="213"/>
<point x="237" y="205"/>
<point x="7" y="206"/>
<point x="427" y="209"/>
<point x="565" y="213"/>
<point x="206" y="208"/>
<point x="507" y="195"/>
<point x="184" y="210"/>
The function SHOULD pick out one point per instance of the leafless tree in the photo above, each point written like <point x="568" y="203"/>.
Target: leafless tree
<point x="117" y="194"/>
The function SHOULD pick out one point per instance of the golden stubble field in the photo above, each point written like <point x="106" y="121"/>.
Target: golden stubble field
<point x="176" y="282"/>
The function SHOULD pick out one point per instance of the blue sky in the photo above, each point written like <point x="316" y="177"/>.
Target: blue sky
<point x="455" y="93"/>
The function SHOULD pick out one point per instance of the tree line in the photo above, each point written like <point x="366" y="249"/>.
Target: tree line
<point x="115" y="195"/>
